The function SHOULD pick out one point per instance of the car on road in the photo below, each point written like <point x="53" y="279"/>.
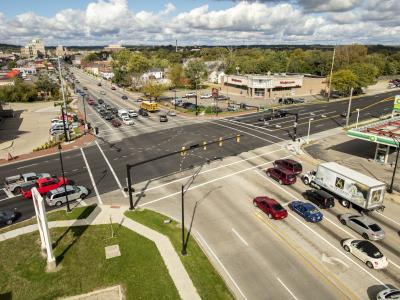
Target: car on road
<point x="365" y="226"/>
<point x="124" y="97"/>
<point x="271" y="207"/>
<point x="290" y="165"/>
<point x="115" y="123"/>
<point x="113" y="88"/>
<point x="99" y="84"/>
<point x="15" y="183"/>
<point x="223" y="97"/>
<point x="114" y="110"/>
<point x="320" y="198"/>
<point x="366" y="252"/>
<point x="206" y="96"/>
<point x="132" y="113"/>
<point x="281" y="175"/>
<point x="85" y="88"/>
<point x="57" y="197"/>
<point x="388" y="294"/>
<point x="190" y="94"/>
<point x="127" y="121"/>
<point x="344" y="114"/>
<point x="171" y="113"/>
<point x="308" y="211"/>
<point x="103" y="93"/>
<point x="139" y="100"/>
<point x="108" y="116"/>
<point x="45" y="185"/>
<point x="91" y="101"/>
<point x="142" y="112"/>
<point x="100" y="101"/>
<point x="108" y="107"/>
<point x="7" y="216"/>
<point x="163" y="118"/>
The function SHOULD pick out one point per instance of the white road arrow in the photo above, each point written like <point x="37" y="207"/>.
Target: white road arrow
<point x="333" y="260"/>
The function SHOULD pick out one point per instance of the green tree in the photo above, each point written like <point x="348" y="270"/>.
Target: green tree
<point x="90" y="57"/>
<point x="176" y="75"/>
<point x="343" y="80"/>
<point x="19" y="92"/>
<point x="366" y="74"/>
<point x="349" y="54"/>
<point x="11" y="64"/>
<point x="153" y="90"/>
<point x="196" y="71"/>
<point x="137" y="65"/>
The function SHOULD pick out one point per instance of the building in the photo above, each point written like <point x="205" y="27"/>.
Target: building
<point x="113" y="48"/>
<point x="153" y="74"/>
<point x="61" y="51"/>
<point x="216" y="77"/>
<point x="33" y="49"/>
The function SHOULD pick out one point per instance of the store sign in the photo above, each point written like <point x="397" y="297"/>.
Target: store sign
<point x="397" y="103"/>
<point x="236" y="80"/>
<point x="286" y="82"/>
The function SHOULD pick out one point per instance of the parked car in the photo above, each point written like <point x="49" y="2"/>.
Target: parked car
<point x="143" y="112"/>
<point x="222" y="98"/>
<point x="108" y="116"/>
<point x="85" y="88"/>
<point x="206" y="96"/>
<point x="132" y="113"/>
<point x="16" y="182"/>
<point x="177" y="102"/>
<point x="388" y="294"/>
<point x="190" y="94"/>
<point x="108" y="107"/>
<point x="308" y="211"/>
<point x="139" y="100"/>
<point x="100" y="101"/>
<point x="124" y="97"/>
<point x="163" y="118"/>
<point x="113" y="88"/>
<point x="99" y="84"/>
<point x="56" y="121"/>
<point x="271" y="207"/>
<point x="7" y="216"/>
<point x="365" y="226"/>
<point x="127" y="121"/>
<point x="57" y="196"/>
<point x="366" y="252"/>
<point x="171" y="113"/>
<point x="44" y="185"/>
<point x="115" y="123"/>
<point x="281" y="175"/>
<point x="290" y="165"/>
<point x="320" y="198"/>
<point x="114" y="110"/>
<point x="91" y="101"/>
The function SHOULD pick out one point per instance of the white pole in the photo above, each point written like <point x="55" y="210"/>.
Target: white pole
<point x="63" y="95"/>
<point x="309" y="127"/>
<point x="349" y="108"/>
<point x="358" y="114"/>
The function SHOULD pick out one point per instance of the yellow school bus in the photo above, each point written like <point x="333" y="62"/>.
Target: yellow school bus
<point x="149" y="106"/>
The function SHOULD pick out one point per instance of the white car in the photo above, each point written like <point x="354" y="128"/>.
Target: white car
<point x="132" y="114"/>
<point x="56" y="121"/>
<point x="127" y="121"/>
<point x="386" y="294"/>
<point x="206" y="96"/>
<point x="366" y="252"/>
<point x="171" y="113"/>
<point x="191" y="94"/>
<point x="57" y="197"/>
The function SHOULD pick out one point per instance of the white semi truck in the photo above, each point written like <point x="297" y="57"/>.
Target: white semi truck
<point x="347" y="185"/>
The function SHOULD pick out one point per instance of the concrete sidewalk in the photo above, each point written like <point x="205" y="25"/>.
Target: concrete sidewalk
<point x="104" y="215"/>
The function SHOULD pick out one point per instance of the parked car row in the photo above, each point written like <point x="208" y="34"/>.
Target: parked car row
<point x="394" y="83"/>
<point x="285" y="171"/>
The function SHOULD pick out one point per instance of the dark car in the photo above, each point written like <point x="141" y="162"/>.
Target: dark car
<point x="108" y="116"/>
<point x="103" y="112"/>
<point x="101" y="101"/>
<point x="281" y="175"/>
<point x="143" y="112"/>
<point x="99" y="84"/>
<point x="115" y="123"/>
<point x="290" y="165"/>
<point x="222" y="98"/>
<point x="320" y="198"/>
<point x="113" y="88"/>
<point x="163" y="118"/>
<point x="85" y="88"/>
<point x="124" y="97"/>
<point x="308" y="211"/>
<point x="108" y="107"/>
<point x="279" y="113"/>
<point x="271" y="207"/>
<point x="114" y="110"/>
<point x="7" y="217"/>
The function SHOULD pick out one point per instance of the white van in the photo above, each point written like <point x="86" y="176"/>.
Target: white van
<point x="57" y="196"/>
<point x="123" y="113"/>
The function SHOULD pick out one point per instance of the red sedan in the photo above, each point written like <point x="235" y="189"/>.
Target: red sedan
<point x="115" y="123"/>
<point x="271" y="207"/>
<point x="45" y="185"/>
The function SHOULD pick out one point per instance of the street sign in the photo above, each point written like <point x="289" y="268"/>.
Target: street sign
<point x="397" y="103"/>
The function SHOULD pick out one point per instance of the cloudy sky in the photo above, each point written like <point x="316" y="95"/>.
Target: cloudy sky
<point x="191" y="22"/>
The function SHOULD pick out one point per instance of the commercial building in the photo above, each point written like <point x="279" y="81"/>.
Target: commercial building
<point x="33" y="49"/>
<point x="113" y="48"/>
<point x="61" y="51"/>
<point x="265" y="86"/>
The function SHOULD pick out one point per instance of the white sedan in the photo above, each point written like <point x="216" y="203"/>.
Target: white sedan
<point x="366" y="252"/>
<point x="206" y="96"/>
<point x="127" y="121"/>
<point x="132" y="114"/>
<point x="386" y="294"/>
<point x="191" y="94"/>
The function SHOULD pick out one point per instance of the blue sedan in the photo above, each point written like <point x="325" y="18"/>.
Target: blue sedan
<point x="308" y="211"/>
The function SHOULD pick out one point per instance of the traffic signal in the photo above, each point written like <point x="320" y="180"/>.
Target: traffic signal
<point x="204" y="145"/>
<point x="183" y="151"/>
<point x="238" y="138"/>
<point x="220" y="142"/>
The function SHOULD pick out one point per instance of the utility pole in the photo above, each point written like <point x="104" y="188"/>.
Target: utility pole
<point x="196" y="78"/>
<point x="84" y="110"/>
<point x="330" y="77"/>
<point x="63" y="176"/>
<point x="65" y="103"/>
<point x="183" y="251"/>
<point x="349" y="108"/>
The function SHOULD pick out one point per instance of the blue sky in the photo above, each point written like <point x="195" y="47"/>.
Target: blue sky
<point x="200" y="22"/>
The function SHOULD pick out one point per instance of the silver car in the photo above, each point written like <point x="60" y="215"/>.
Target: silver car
<point x="368" y="228"/>
<point x="57" y="196"/>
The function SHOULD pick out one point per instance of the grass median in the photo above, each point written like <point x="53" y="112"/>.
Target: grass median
<point x="205" y="278"/>
<point x="83" y="268"/>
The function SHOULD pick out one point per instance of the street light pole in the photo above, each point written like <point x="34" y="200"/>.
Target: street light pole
<point x="309" y="127"/>
<point x="84" y="110"/>
<point x="63" y="95"/>
<point x="349" y="108"/>
<point x="175" y="98"/>
<point x="358" y="114"/>
<point x="63" y="176"/>
<point x="183" y="251"/>
<point x="196" y="93"/>
<point x="390" y="190"/>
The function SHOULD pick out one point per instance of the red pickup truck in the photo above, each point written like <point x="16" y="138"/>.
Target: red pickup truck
<point x="44" y="185"/>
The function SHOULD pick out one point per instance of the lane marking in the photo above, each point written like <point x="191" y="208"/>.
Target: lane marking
<point x="240" y="237"/>
<point x="27" y="166"/>
<point x="321" y="237"/>
<point x="203" y="241"/>
<point x="245" y="125"/>
<point x="386" y="217"/>
<point x="112" y="170"/>
<point x="284" y="285"/>
<point x="91" y="177"/>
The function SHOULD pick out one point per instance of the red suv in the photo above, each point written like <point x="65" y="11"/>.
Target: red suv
<point x="281" y="175"/>
<point x="271" y="207"/>
<point x="290" y="165"/>
<point x="45" y="185"/>
<point x="91" y="101"/>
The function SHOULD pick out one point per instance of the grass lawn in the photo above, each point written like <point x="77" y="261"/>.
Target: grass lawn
<point x="205" y="278"/>
<point x="81" y="212"/>
<point x="83" y="267"/>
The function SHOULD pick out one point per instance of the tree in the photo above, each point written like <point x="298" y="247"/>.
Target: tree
<point x="153" y="90"/>
<point x="176" y="75"/>
<point x="91" y="57"/>
<point x="366" y="74"/>
<point x="19" y="92"/>
<point x="11" y="64"/>
<point x="344" y="80"/>
<point x="196" y="71"/>
<point x="350" y="54"/>
<point x="137" y="65"/>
